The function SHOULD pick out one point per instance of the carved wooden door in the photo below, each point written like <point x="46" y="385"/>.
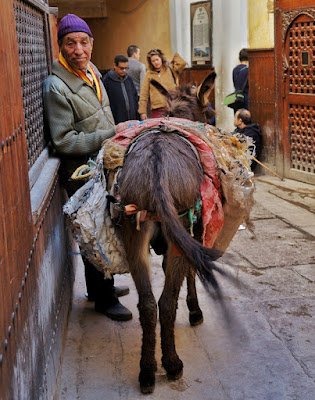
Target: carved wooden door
<point x="296" y="99"/>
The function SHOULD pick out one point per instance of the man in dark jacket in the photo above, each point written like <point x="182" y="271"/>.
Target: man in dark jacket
<point x="121" y="91"/>
<point x="240" y="77"/>
<point x="246" y="127"/>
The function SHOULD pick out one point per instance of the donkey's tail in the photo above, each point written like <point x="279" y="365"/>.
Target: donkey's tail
<point x="200" y="257"/>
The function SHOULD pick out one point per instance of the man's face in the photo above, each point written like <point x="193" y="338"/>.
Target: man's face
<point x="76" y="47"/>
<point x="137" y="54"/>
<point x="237" y="121"/>
<point x="156" y="62"/>
<point x="121" y="69"/>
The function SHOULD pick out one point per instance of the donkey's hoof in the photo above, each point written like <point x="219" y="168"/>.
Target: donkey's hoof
<point x="195" y="318"/>
<point x="147" y="389"/>
<point x="175" y="377"/>
<point x="174" y="368"/>
<point x="147" y="383"/>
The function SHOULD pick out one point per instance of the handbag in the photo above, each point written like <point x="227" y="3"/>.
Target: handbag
<point x="236" y="99"/>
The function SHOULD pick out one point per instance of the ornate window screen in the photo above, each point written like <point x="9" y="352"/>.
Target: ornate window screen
<point x="31" y="28"/>
<point x="302" y="57"/>
<point x="302" y="129"/>
<point x="301" y="71"/>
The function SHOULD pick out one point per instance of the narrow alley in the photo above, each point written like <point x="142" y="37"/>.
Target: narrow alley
<point x="267" y="349"/>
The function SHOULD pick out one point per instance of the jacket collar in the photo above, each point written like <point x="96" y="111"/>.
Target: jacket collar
<point x="112" y="74"/>
<point x="71" y="80"/>
<point x="163" y="69"/>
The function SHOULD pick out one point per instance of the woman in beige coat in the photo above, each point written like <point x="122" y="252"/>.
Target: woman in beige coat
<point x="166" y="75"/>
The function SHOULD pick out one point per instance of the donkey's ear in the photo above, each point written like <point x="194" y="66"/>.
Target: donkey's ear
<point x="160" y="88"/>
<point x="203" y="91"/>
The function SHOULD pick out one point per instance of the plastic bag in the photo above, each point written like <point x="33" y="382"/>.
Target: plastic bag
<point x="91" y="224"/>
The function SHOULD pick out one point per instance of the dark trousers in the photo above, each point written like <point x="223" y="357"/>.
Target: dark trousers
<point x="99" y="289"/>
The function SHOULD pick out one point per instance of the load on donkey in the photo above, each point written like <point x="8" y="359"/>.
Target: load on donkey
<point x="182" y="187"/>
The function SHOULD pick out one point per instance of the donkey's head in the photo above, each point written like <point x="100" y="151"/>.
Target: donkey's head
<point x="189" y="102"/>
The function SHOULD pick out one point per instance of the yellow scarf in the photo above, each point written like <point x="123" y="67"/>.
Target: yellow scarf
<point x="82" y="75"/>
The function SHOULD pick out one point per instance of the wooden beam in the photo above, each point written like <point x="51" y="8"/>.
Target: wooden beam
<point x="81" y="8"/>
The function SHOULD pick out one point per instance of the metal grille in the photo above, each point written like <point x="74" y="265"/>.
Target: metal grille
<point x="30" y="27"/>
<point x="302" y="57"/>
<point x="302" y="129"/>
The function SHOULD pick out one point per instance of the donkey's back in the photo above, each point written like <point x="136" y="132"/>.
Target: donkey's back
<point x="161" y="163"/>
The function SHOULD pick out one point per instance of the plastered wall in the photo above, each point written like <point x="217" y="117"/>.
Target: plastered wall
<point x="145" y="23"/>
<point x="260" y="24"/>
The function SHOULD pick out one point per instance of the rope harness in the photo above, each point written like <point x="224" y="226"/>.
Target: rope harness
<point x="84" y="171"/>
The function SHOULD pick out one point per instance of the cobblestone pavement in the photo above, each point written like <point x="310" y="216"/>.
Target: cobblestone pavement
<point x="267" y="352"/>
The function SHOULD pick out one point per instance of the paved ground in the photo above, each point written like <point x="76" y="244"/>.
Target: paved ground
<point x="268" y="353"/>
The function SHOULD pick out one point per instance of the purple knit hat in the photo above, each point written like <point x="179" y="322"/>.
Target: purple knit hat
<point x="72" y="23"/>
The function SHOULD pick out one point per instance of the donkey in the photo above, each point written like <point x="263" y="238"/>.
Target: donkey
<point x="162" y="175"/>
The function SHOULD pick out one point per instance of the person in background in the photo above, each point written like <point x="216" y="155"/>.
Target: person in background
<point x="121" y="91"/>
<point x="79" y="119"/>
<point x="212" y="121"/>
<point x="166" y="75"/>
<point x="136" y="68"/>
<point x="245" y="126"/>
<point x="240" y="77"/>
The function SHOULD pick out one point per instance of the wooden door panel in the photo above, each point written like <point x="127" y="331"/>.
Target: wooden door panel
<point x="295" y="89"/>
<point x="299" y="101"/>
<point x="262" y="98"/>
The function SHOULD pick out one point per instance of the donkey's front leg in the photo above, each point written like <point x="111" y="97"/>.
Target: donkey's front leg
<point x="137" y="252"/>
<point x="174" y="275"/>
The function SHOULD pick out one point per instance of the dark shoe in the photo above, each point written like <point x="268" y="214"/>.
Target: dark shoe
<point x="90" y="297"/>
<point x="117" y="312"/>
<point x="119" y="292"/>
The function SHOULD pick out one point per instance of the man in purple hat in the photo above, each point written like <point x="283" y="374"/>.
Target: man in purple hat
<point x="79" y="118"/>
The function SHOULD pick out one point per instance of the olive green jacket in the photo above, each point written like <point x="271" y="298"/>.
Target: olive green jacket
<point x="77" y="121"/>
